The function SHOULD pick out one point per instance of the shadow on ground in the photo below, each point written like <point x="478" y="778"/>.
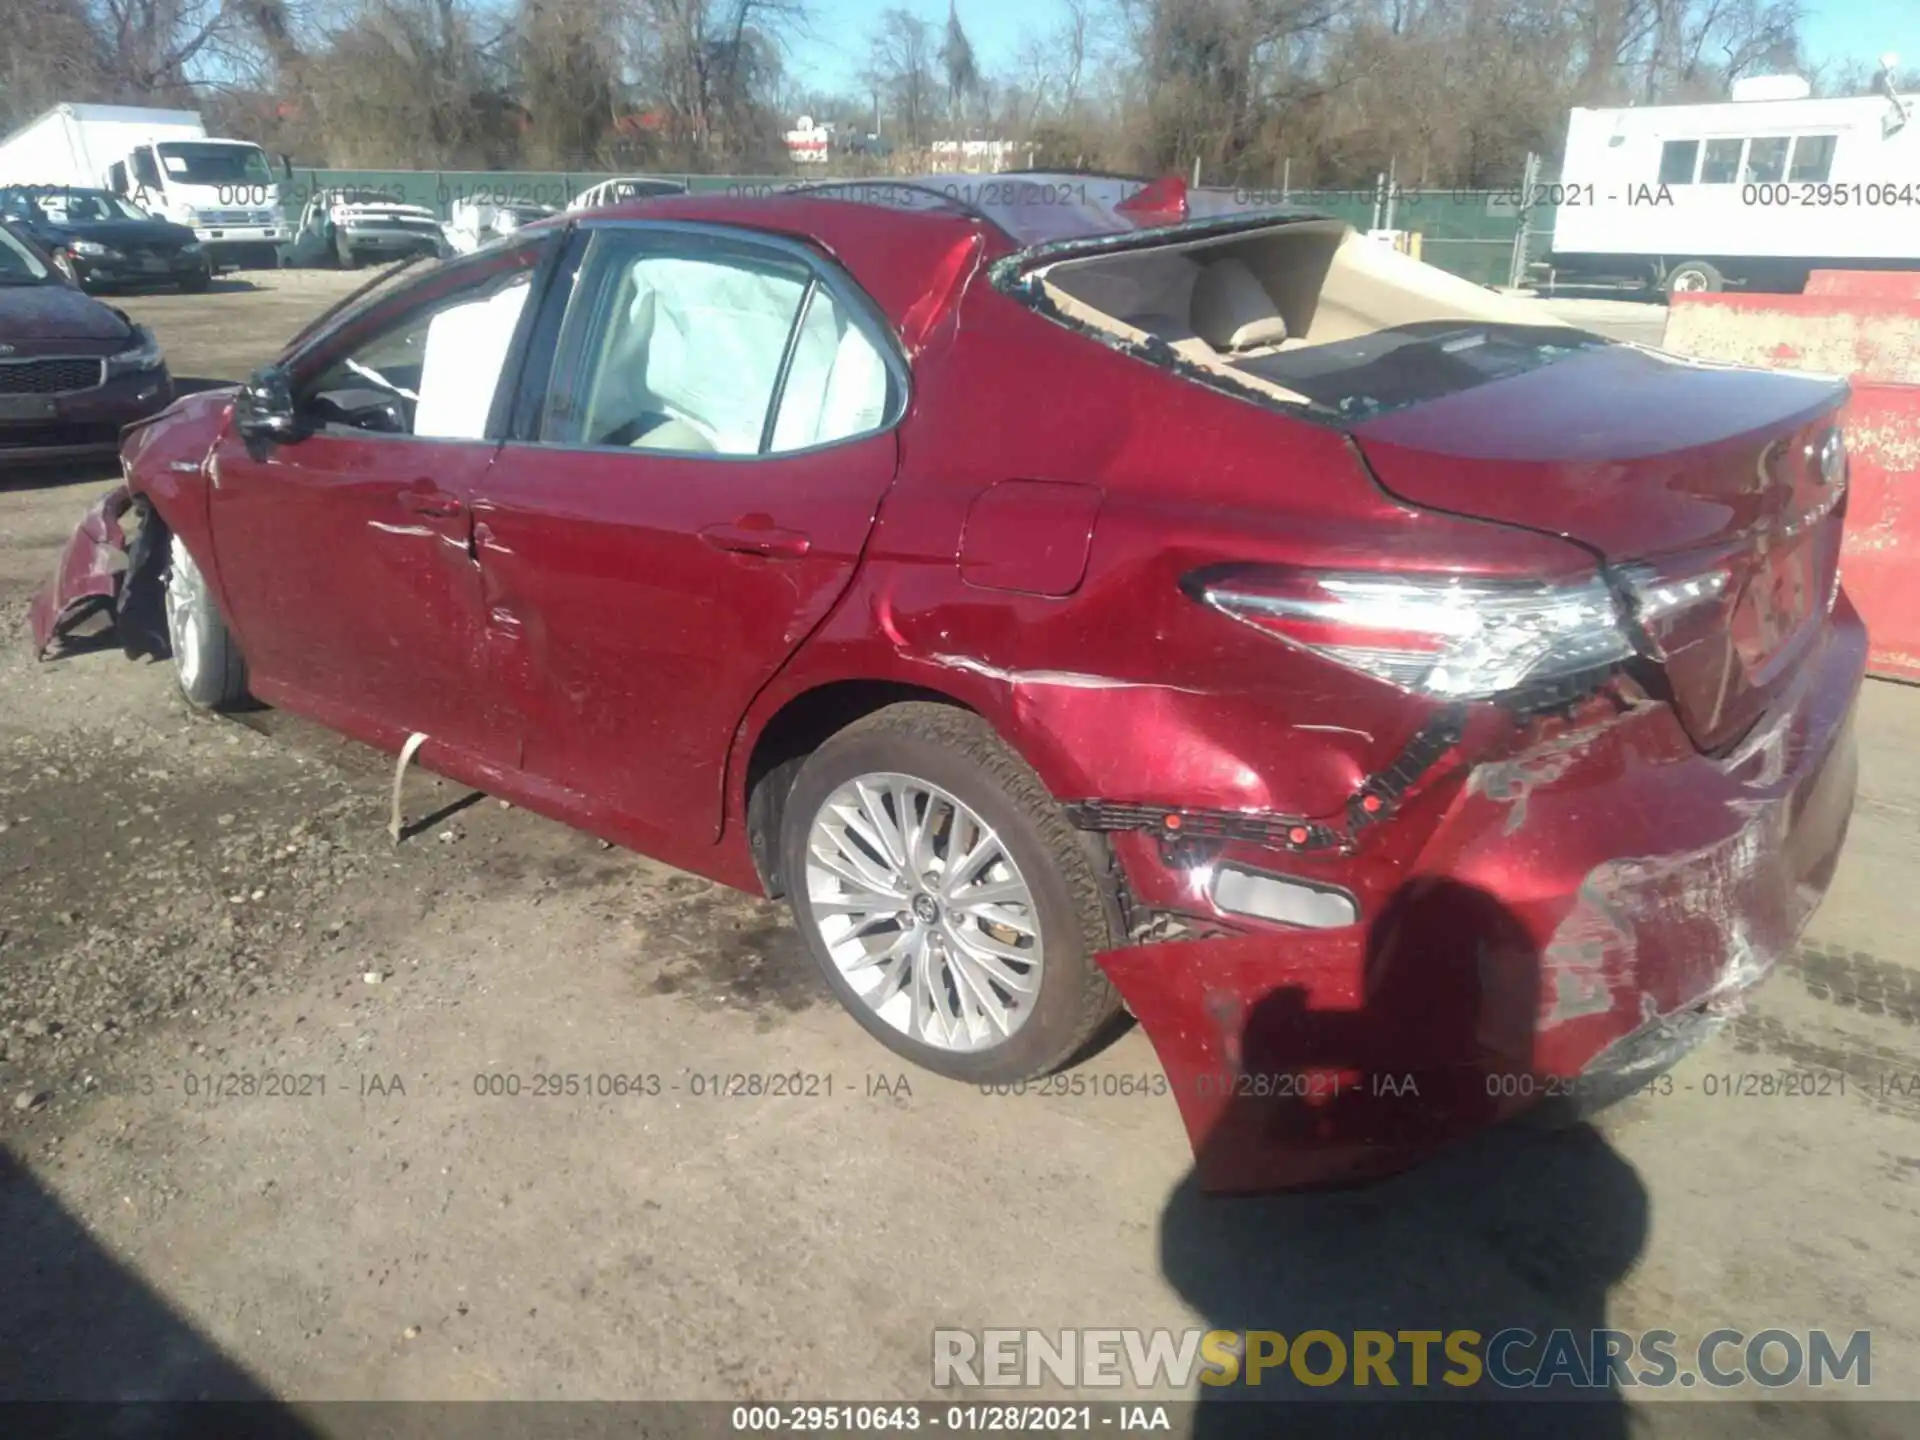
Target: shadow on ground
<point x="89" y="1348"/>
<point x="1505" y="1227"/>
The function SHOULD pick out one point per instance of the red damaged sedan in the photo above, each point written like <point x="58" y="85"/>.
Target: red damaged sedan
<point x="1410" y="707"/>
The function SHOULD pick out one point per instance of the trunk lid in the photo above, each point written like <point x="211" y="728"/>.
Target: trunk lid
<point x="1700" y="487"/>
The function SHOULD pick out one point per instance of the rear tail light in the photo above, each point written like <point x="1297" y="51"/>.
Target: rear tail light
<point x="1433" y="635"/>
<point x="1676" y="608"/>
<point x="1828" y="456"/>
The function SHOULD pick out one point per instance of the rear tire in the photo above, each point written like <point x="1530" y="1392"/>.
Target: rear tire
<point x="206" y="658"/>
<point x="965" y="790"/>
<point x="1692" y="277"/>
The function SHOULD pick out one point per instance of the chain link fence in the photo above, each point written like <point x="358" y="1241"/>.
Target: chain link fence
<point x="1487" y="236"/>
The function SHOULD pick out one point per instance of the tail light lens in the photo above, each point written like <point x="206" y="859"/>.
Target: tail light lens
<point x="1677" y="606"/>
<point x="1433" y="635"/>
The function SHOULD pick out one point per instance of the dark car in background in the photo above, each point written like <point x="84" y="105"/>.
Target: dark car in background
<point x="72" y="370"/>
<point x="100" y="240"/>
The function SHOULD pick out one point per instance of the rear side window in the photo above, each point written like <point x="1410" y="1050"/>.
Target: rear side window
<point x="1812" y="158"/>
<point x="1767" y="160"/>
<point x="1677" y="159"/>
<point x="710" y="346"/>
<point x="836" y="382"/>
<point x="1721" y="164"/>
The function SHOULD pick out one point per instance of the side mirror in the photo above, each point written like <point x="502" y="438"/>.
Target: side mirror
<point x="265" y="411"/>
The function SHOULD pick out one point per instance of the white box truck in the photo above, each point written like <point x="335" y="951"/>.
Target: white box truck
<point x="225" y="191"/>
<point x="1755" y="191"/>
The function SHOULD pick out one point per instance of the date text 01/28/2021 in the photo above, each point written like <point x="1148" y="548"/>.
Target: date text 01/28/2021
<point x="962" y="1419"/>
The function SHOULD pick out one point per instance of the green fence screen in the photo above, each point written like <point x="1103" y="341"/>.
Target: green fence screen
<point x="1468" y="232"/>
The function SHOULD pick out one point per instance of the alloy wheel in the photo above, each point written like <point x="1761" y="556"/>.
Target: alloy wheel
<point x="924" y="912"/>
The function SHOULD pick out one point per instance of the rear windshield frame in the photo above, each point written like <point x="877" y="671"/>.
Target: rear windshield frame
<point x="1012" y="275"/>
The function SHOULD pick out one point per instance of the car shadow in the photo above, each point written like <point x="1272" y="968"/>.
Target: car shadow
<point x="89" y="1348"/>
<point x="1480" y="1226"/>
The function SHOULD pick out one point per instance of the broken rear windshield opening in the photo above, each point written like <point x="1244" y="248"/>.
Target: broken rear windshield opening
<point x="1300" y="311"/>
<point x="1392" y="369"/>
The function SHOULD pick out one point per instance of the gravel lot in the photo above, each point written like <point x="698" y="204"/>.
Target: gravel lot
<point x="183" y="899"/>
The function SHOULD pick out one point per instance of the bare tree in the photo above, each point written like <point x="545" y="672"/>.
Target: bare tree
<point x="567" y="70"/>
<point x="713" y="67"/>
<point x="900" y="71"/>
<point x="52" y="53"/>
<point x="956" y="59"/>
<point x="1441" y="92"/>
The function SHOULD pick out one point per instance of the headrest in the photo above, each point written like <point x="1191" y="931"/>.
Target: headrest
<point x="1232" y="310"/>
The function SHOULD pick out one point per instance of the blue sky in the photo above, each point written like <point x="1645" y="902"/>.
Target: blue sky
<point x="832" y="56"/>
<point x="1837" y="29"/>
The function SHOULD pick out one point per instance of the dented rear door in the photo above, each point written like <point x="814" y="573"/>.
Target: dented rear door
<point x="638" y="596"/>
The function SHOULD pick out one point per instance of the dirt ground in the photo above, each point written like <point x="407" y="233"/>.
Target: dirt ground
<point x="185" y="899"/>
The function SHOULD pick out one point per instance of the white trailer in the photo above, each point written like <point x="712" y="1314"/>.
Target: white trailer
<point x="164" y="161"/>
<point x="1755" y="191"/>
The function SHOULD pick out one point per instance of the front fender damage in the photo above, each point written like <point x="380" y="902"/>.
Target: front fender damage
<point x="104" y="570"/>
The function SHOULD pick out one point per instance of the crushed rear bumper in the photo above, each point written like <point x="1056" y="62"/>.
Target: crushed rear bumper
<point x="1579" y="918"/>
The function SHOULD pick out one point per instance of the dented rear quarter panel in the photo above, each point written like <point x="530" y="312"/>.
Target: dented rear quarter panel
<point x="1123" y="687"/>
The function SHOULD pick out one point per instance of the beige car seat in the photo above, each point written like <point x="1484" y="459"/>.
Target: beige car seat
<point x="1232" y="311"/>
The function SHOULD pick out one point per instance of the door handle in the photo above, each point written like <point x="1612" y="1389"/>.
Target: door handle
<point x="436" y="504"/>
<point x="769" y="540"/>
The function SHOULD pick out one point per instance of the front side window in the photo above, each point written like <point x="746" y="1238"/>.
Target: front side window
<point x="143" y="167"/>
<point x="1767" y="160"/>
<point x="1721" y="164"/>
<point x="1677" y="159"/>
<point x="1812" y="159"/>
<point x="432" y="374"/>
